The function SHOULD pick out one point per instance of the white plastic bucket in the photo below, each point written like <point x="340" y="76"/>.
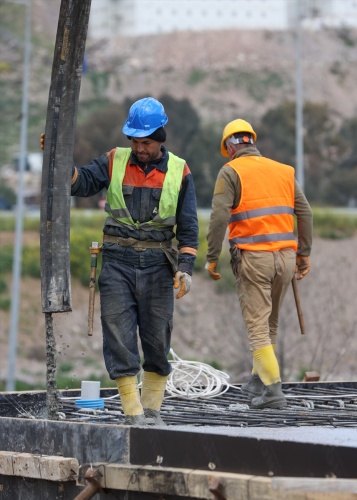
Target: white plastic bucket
<point x="90" y="390"/>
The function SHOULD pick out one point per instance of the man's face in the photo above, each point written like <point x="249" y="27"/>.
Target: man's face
<point x="146" y="150"/>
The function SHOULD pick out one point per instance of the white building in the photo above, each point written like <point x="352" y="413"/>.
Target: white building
<point x="142" y="17"/>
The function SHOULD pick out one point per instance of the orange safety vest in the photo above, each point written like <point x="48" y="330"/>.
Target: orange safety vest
<point x="264" y="218"/>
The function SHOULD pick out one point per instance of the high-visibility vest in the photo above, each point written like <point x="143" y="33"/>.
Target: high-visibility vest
<point x="264" y="218"/>
<point x="115" y="204"/>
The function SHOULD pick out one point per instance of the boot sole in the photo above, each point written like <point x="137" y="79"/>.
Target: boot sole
<point x="252" y="395"/>
<point x="277" y="405"/>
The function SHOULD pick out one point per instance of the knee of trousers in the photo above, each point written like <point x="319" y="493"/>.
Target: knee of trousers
<point x="259" y="339"/>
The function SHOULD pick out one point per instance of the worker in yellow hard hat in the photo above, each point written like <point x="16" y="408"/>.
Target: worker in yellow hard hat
<point x="258" y="198"/>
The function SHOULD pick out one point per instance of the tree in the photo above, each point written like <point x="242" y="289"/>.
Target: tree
<point x="205" y="160"/>
<point x="276" y="139"/>
<point x="100" y="133"/>
<point x="342" y="189"/>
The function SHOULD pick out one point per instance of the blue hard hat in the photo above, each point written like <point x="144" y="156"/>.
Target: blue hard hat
<point x="145" y="116"/>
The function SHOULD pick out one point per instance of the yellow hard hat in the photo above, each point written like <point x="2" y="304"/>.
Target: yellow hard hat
<point x="235" y="127"/>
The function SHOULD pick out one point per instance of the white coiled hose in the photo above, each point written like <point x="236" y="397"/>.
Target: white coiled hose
<point x="192" y="379"/>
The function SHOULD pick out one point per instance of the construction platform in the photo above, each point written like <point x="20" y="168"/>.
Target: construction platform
<point x="214" y="448"/>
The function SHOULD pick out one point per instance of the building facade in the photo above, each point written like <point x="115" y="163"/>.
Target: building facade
<point x="143" y="17"/>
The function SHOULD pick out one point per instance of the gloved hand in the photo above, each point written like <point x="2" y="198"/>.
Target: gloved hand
<point x="42" y="141"/>
<point x="302" y="267"/>
<point x="182" y="280"/>
<point x="211" y="268"/>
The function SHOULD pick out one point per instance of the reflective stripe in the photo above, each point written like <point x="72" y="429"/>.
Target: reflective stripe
<point x="159" y="222"/>
<point x="191" y="251"/>
<point x="118" y="213"/>
<point x="259" y="212"/>
<point x="262" y="238"/>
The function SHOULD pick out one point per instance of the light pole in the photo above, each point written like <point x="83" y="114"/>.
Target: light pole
<point x="16" y="269"/>
<point x="299" y="101"/>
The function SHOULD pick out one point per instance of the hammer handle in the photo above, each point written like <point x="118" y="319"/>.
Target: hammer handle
<point x="298" y="305"/>
<point x="91" y="299"/>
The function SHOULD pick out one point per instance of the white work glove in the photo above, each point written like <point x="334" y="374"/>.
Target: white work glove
<point x="182" y="280"/>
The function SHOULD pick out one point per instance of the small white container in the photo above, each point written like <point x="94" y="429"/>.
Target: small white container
<point x="90" y="390"/>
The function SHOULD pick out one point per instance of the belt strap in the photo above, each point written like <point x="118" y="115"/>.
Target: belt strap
<point x="137" y="244"/>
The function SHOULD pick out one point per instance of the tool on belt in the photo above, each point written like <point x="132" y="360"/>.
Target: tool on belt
<point x="94" y="250"/>
<point x="298" y="305"/>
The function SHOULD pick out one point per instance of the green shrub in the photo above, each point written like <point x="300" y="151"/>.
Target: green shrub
<point x="20" y="385"/>
<point x="6" y="255"/>
<point x="92" y="220"/>
<point x="5" y="303"/>
<point x="196" y="76"/>
<point x="8" y="223"/>
<point x="31" y="265"/>
<point x="332" y="224"/>
<point x="3" y="286"/>
<point x="80" y="255"/>
<point x="65" y="367"/>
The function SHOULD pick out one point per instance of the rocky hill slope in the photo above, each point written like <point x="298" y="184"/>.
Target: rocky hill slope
<point x="223" y="73"/>
<point x="232" y="73"/>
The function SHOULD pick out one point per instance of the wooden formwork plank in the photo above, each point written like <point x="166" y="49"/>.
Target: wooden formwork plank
<point x="49" y="468"/>
<point x="321" y="486"/>
<point x="6" y="465"/>
<point x="170" y="481"/>
<point x="203" y="484"/>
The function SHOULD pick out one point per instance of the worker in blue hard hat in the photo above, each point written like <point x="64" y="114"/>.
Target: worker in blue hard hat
<point x="150" y="200"/>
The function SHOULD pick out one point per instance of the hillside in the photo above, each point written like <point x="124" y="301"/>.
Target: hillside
<point x="224" y="74"/>
<point x="232" y="73"/>
<point x="208" y="326"/>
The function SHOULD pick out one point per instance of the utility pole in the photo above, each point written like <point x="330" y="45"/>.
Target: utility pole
<point x="16" y="271"/>
<point x="299" y="100"/>
<point x="56" y="176"/>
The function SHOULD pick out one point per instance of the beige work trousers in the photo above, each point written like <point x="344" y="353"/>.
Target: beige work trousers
<point x="262" y="281"/>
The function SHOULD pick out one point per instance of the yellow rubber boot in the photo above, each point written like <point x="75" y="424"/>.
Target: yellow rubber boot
<point x="254" y="369"/>
<point x="266" y="365"/>
<point x="269" y="373"/>
<point x="130" y="400"/>
<point x="254" y="387"/>
<point x="152" y="395"/>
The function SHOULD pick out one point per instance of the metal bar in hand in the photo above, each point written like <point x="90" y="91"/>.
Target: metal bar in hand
<point x="298" y="305"/>
<point x="94" y="250"/>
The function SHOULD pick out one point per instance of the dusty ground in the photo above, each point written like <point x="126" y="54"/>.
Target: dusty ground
<point x="208" y="326"/>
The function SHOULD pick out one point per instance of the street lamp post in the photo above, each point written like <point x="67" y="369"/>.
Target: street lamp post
<point x="16" y="272"/>
<point x="299" y="101"/>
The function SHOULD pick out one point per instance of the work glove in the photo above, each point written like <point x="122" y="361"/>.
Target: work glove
<point x="302" y="267"/>
<point x="211" y="268"/>
<point x="42" y="141"/>
<point x="182" y="281"/>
